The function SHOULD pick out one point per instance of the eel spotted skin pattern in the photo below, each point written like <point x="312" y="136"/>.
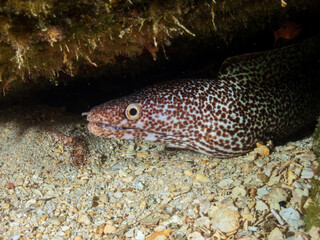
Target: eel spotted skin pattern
<point x="256" y="97"/>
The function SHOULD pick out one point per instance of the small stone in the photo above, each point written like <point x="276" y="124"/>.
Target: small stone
<point x="301" y="192"/>
<point x="290" y="148"/>
<point x="10" y="185"/>
<point x="16" y="237"/>
<point x="142" y="154"/>
<point x="117" y="194"/>
<point x="160" y="235"/>
<point x="77" y="237"/>
<point x="201" y="178"/>
<point x="129" y="234"/>
<point x="238" y="191"/>
<point x="188" y="173"/>
<point x="278" y="195"/>
<point x="261" y="206"/>
<point x="84" y="218"/>
<point x="5" y="206"/>
<point x="225" y="182"/>
<point x="122" y="173"/>
<point x="246" y="214"/>
<point x="30" y="203"/>
<point x="314" y="233"/>
<point x="18" y="182"/>
<point x="263" y="177"/>
<point x="275" y="234"/>
<point x="45" y="236"/>
<point x="101" y="229"/>
<point x="307" y="203"/>
<point x="247" y="167"/>
<point x="307" y="173"/>
<point x="298" y="171"/>
<point x="262" y="191"/>
<point x="67" y="232"/>
<point x="109" y="229"/>
<point x="202" y="222"/>
<point x="55" y="221"/>
<point x="226" y="220"/>
<point x="139" y="235"/>
<point x="143" y="204"/>
<point x="273" y="180"/>
<point x="291" y="177"/>
<point x="252" y="228"/>
<point x="262" y="150"/>
<point x="104" y="198"/>
<point x="260" y="162"/>
<point x="252" y="204"/>
<point x="292" y="217"/>
<point x="39" y="235"/>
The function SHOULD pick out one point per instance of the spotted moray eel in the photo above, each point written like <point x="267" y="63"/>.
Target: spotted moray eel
<point x="255" y="97"/>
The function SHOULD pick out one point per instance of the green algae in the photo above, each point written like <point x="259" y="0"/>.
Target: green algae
<point x="312" y="217"/>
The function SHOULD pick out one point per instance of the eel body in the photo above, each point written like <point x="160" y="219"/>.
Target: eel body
<point x="255" y="97"/>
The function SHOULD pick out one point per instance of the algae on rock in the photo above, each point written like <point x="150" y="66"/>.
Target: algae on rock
<point x="41" y="38"/>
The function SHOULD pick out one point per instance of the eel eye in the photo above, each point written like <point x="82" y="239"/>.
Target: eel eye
<point x="133" y="111"/>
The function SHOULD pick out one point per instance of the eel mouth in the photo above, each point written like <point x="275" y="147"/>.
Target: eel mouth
<point x="106" y="130"/>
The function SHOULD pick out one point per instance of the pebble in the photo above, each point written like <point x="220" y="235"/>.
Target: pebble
<point x="238" y="191"/>
<point x="225" y="182"/>
<point x="262" y="191"/>
<point x="247" y="167"/>
<point x="201" y="178"/>
<point x="246" y="214"/>
<point x="139" y="236"/>
<point x="38" y="235"/>
<point x="263" y="177"/>
<point x="18" y="182"/>
<point x="262" y="151"/>
<point x="188" y="173"/>
<point x="275" y="234"/>
<point x="67" y="232"/>
<point x="261" y="206"/>
<point x="277" y="195"/>
<point x="77" y="237"/>
<point x="291" y="177"/>
<point x="5" y="206"/>
<point x="55" y="221"/>
<point x="314" y="233"/>
<point x="292" y="217"/>
<point x="273" y="180"/>
<point x="10" y="185"/>
<point x="226" y="220"/>
<point x="117" y="194"/>
<point x="84" y="218"/>
<point x="307" y="173"/>
<point x="109" y="229"/>
<point x="142" y="154"/>
<point x="202" y="222"/>
<point x="160" y="235"/>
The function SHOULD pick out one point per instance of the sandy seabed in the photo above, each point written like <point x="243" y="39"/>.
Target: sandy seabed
<point x="58" y="181"/>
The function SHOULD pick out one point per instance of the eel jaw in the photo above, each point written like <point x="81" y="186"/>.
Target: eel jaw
<point x="110" y="131"/>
